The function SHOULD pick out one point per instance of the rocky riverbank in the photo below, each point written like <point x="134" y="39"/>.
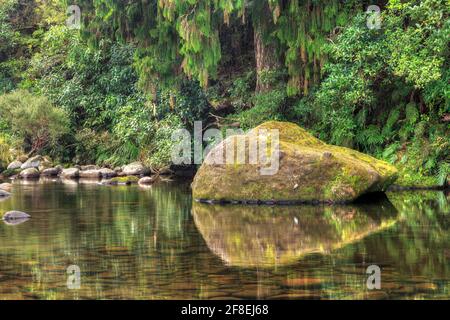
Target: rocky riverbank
<point x="40" y="166"/>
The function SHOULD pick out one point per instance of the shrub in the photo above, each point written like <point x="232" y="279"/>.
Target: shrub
<point x="160" y="149"/>
<point x="189" y="102"/>
<point x="33" y="119"/>
<point x="5" y="153"/>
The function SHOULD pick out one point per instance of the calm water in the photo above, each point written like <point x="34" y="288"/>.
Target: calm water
<point x="153" y="243"/>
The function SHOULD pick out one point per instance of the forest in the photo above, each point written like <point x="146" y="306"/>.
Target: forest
<point x="113" y="89"/>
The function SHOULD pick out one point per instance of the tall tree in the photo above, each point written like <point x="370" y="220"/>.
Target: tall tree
<point x="177" y="36"/>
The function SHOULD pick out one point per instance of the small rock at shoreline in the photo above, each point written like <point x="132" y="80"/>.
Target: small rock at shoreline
<point x="16" y="215"/>
<point x="51" y="172"/>
<point x="14" y="165"/>
<point x="90" y="174"/>
<point x="89" y="167"/>
<point x="136" y="169"/>
<point x="30" y="173"/>
<point x="33" y="162"/>
<point x="71" y="173"/>
<point x="107" y="173"/>
<point x="146" y="181"/>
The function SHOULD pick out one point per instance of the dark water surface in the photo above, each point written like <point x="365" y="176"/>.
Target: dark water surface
<point x="154" y="243"/>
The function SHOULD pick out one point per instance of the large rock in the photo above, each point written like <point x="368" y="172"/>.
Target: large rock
<point x="309" y="170"/>
<point x="71" y="173"/>
<point x="15" y="165"/>
<point x="33" y="162"/>
<point x="30" y="173"/>
<point x="135" y="169"/>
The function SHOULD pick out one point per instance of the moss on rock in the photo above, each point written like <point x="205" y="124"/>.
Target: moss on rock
<point x="309" y="170"/>
<point x="10" y="172"/>
<point x="125" y="180"/>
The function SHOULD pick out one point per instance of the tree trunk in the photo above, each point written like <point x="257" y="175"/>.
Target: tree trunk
<point x="266" y="54"/>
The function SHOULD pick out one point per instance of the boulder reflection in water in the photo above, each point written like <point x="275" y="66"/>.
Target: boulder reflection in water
<point x="262" y="236"/>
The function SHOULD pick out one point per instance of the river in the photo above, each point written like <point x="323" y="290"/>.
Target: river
<point x="155" y="243"/>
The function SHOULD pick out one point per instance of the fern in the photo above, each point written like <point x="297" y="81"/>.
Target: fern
<point x="370" y="137"/>
<point x="392" y="119"/>
<point x="390" y="153"/>
<point x="411" y="113"/>
<point x="443" y="172"/>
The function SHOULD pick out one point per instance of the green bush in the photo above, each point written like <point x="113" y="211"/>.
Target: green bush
<point x="189" y="102"/>
<point x="161" y="145"/>
<point x="5" y="153"/>
<point x="33" y="120"/>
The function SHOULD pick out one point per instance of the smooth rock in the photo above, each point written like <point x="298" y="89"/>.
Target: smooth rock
<point x="90" y="174"/>
<point x="30" y="173"/>
<point x="14" y="218"/>
<point x="71" y="173"/>
<point x="147" y="180"/>
<point x="33" y="162"/>
<point x="107" y="173"/>
<point x="309" y="170"/>
<point x="15" y="215"/>
<point x="135" y="169"/>
<point x="51" y="172"/>
<point x="15" y="165"/>
<point x="89" y="167"/>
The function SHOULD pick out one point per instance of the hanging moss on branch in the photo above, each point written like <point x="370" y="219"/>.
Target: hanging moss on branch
<point x="183" y="37"/>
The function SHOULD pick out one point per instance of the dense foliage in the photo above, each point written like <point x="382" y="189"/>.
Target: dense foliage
<point x="138" y="70"/>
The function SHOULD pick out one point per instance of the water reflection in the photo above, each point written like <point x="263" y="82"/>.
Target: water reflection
<point x="250" y="236"/>
<point x="134" y="243"/>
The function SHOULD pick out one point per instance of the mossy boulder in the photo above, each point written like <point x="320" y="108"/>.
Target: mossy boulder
<point x="309" y="170"/>
<point x="30" y="173"/>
